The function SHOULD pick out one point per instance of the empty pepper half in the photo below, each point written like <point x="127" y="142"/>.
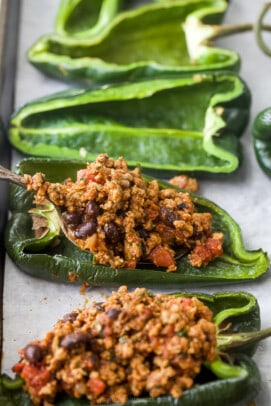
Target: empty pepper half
<point x="188" y="124"/>
<point x="228" y="375"/>
<point x="156" y="39"/>
<point x="262" y="139"/>
<point x="53" y="257"/>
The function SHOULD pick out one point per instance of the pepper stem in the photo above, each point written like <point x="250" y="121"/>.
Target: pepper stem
<point x="223" y="30"/>
<point x="226" y="342"/>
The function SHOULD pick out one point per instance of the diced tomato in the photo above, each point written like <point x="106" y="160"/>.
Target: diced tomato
<point x="17" y="368"/>
<point x="97" y="386"/>
<point x="215" y="246"/>
<point x="203" y="254"/>
<point x="83" y="175"/>
<point x="161" y="256"/>
<point x="36" y="377"/>
<point x="186" y="301"/>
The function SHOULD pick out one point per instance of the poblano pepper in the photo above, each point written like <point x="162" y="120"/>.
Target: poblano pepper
<point x="156" y="39"/>
<point x="232" y="377"/>
<point x="54" y="257"/>
<point x="262" y="139"/>
<point x="192" y="123"/>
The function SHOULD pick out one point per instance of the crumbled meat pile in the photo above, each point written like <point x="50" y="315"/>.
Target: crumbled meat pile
<point x="123" y="220"/>
<point x="132" y="344"/>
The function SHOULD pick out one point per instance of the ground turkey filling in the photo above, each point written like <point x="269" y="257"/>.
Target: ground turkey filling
<point x="124" y="220"/>
<point x="132" y="344"/>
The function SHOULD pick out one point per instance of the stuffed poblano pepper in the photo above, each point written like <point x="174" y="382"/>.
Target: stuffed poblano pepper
<point x="121" y="227"/>
<point x="137" y="348"/>
<point x="189" y="124"/>
<point x="262" y="139"/>
<point x="156" y="39"/>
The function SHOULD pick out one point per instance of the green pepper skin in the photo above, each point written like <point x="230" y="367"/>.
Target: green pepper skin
<point x="262" y="139"/>
<point x="155" y="40"/>
<point x="189" y="124"/>
<point x="243" y="312"/>
<point x="83" y="18"/>
<point x="66" y="263"/>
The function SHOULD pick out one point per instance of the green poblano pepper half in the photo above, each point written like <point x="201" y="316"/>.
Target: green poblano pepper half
<point x="262" y="139"/>
<point x="189" y="124"/>
<point x="220" y="382"/>
<point x="152" y="40"/>
<point x="54" y="257"/>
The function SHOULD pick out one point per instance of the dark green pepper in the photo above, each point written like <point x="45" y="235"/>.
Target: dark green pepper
<point x="157" y="39"/>
<point x="192" y="123"/>
<point x="262" y="139"/>
<point x="219" y="382"/>
<point x="53" y="257"/>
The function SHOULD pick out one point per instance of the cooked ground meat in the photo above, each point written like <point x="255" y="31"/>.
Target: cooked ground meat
<point x="124" y="220"/>
<point x="132" y="344"/>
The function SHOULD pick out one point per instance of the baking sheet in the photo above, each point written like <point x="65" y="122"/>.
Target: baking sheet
<point x="9" y="14"/>
<point x="31" y="306"/>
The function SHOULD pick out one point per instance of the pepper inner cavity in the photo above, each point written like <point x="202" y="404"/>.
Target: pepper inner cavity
<point x="124" y="220"/>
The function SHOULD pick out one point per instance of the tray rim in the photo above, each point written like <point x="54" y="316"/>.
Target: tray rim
<point x="9" y="35"/>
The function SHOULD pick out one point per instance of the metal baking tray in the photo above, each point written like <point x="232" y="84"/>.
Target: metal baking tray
<point x="9" y="18"/>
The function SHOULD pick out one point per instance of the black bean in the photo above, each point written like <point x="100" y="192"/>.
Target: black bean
<point x="143" y="233"/>
<point x="113" y="232"/>
<point x="72" y="218"/>
<point x="92" y="209"/>
<point x="86" y="229"/>
<point x="113" y="313"/>
<point x="33" y="353"/>
<point x="75" y="340"/>
<point x="99" y="306"/>
<point x="167" y="216"/>
<point x="70" y="316"/>
<point x="182" y="206"/>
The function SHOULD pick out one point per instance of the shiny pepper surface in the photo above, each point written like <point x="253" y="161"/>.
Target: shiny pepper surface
<point x="189" y="124"/>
